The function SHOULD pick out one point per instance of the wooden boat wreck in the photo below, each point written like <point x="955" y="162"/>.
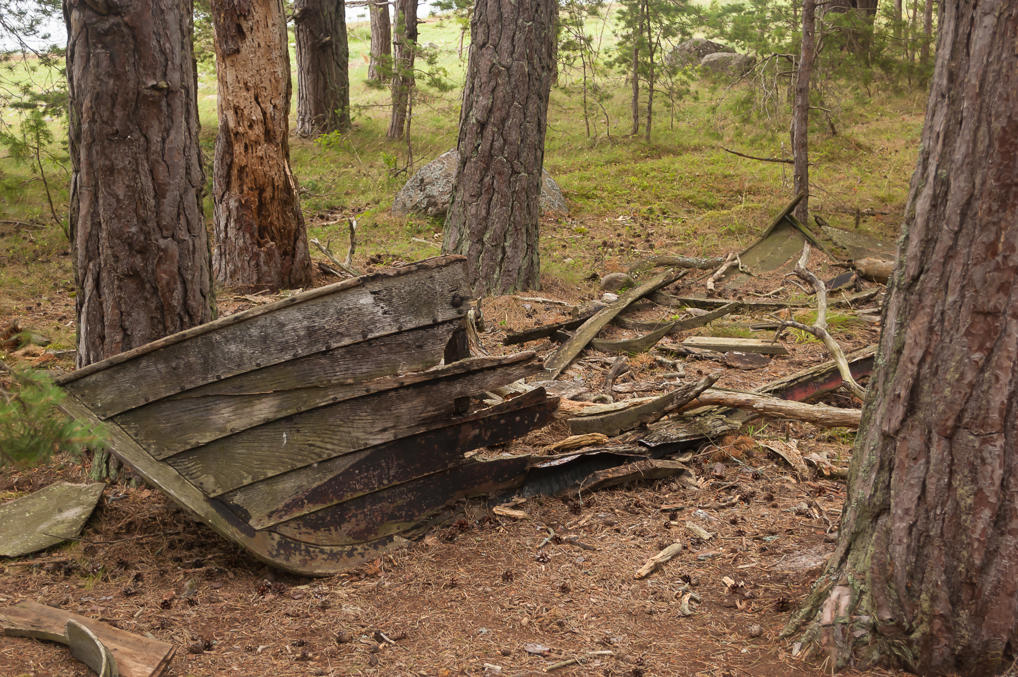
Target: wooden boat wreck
<point x="321" y="429"/>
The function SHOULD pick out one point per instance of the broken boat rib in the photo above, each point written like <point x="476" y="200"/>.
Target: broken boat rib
<point x="318" y="430"/>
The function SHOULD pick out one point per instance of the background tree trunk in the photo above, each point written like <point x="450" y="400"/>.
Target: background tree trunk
<point x="924" y="51"/>
<point x="405" y="46"/>
<point x="493" y="218"/>
<point x="635" y="105"/>
<point x="260" y="237"/>
<point x="381" y="41"/>
<point x="800" y="108"/>
<point x="925" y="565"/>
<point x="141" y="255"/>
<point x="323" y="67"/>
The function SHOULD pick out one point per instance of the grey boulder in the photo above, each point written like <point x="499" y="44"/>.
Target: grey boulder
<point x="727" y="64"/>
<point x="692" y="51"/>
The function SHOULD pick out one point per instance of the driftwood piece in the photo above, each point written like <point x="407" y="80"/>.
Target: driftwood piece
<point x="743" y="345"/>
<point x="818" y="414"/>
<point x="638" y="471"/>
<point x="878" y="270"/>
<point x="731" y="260"/>
<point x="135" y="656"/>
<point x="613" y="422"/>
<point x="633" y="345"/>
<point x="619" y="366"/>
<point x="589" y="329"/>
<point x="653" y="563"/>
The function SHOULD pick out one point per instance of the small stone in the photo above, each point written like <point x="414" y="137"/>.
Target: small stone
<point x="616" y="281"/>
<point x="754" y="630"/>
<point x="610" y="297"/>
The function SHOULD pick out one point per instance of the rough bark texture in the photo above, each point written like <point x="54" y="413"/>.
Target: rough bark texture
<point x="925" y="573"/>
<point x="405" y="43"/>
<point x="381" y="41"/>
<point x="260" y="238"/>
<point x="323" y="67"/>
<point x="800" y="109"/>
<point x="493" y="218"/>
<point x="141" y="255"/>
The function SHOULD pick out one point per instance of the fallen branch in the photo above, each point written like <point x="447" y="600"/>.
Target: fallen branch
<point x="819" y="414"/>
<point x="675" y="262"/>
<point x="652" y="564"/>
<point x="731" y="260"/>
<point x="541" y="299"/>
<point x="544" y="331"/>
<point x="755" y="157"/>
<point x="349" y="270"/>
<point x="352" y="224"/>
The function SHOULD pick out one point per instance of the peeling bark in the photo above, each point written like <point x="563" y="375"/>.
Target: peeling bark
<point x="141" y="255"/>
<point x="323" y="67"/>
<point x="925" y="574"/>
<point x="261" y="242"/>
<point x="493" y="218"/>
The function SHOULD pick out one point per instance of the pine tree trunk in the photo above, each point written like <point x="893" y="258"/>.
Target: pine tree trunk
<point x="635" y="105"/>
<point x="924" y="52"/>
<point x="800" y="112"/>
<point x="260" y="238"/>
<point x="381" y="41"/>
<point x="493" y="217"/>
<point x="650" y="67"/>
<point x="141" y="254"/>
<point x="405" y="45"/>
<point x="925" y="573"/>
<point x="323" y="67"/>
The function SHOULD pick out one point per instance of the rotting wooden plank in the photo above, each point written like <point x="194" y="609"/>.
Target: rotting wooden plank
<point x="326" y="432"/>
<point x="426" y="293"/>
<point x="318" y="486"/>
<point x="744" y="345"/>
<point x="810" y="383"/>
<point x="647" y="469"/>
<point x="818" y="414"/>
<point x="547" y="330"/>
<point x="217" y="410"/>
<point x="135" y="655"/>
<point x="684" y="324"/>
<point x="568" y="351"/>
<point x="633" y="345"/>
<point x="679" y="431"/>
<point x="90" y="650"/>
<point x="400" y="507"/>
<point x="614" y="422"/>
<point x="672" y="301"/>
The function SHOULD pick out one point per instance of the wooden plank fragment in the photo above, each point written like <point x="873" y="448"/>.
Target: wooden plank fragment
<point x="135" y="656"/>
<point x="818" y="414"/>
<point x="216" y="410"/>
<point x="547" y="330"/>
<point x="87" y="648"/>
<point x="326" y="432"/>
<point x="403" y="506"/>
<point x="426" y="293"/>
<point x="614" y="422"/>
<point x="750" y="305"/>
<point x="684" y="324"/>
<point x="46" y="517"/>
<point x="808" y="384"/>
<point x="311" y="488"/>
<point x="743" y="345"/>
<point x="638" y="471"/>
<point x="633" y="345"/>
<point x="568" y="351"/>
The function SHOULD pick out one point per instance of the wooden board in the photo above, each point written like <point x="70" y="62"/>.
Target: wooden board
<point x="216" y="410"/>
<point x="633" y="345"/>
<point x="426" y="293"/>
<point x="614" y="422"/>
<point x="312" y="488"/>
<point x="742" y="345"/>
<point x="326" y="432"/>
<point x="46" y="517"/>
<point x="136" y="656"/>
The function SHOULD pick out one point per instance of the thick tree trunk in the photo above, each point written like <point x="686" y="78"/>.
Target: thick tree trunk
<point x="925" y="573"/>
<point x="381" y="41"/>
<point x="493" y="218"/>
<point x="141" y="254"/>
<point x="323" y="67"/>
<point x="260" y="238"/>
<point x="800" y="112"/>
<point x="405" y="47"/>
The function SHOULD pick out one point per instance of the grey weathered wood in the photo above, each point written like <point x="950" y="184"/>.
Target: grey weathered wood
<point x="568" y="351"/>
<point x="633" y="345"/>
<point x="311" y="488"/>
<point x="46" y="517"/>
<point x="88" y="649"/>
<point x="426" y="293"/>
<point x="546" y="330"/>
<point x="613" y="422"/>
<point x="744" y="345"/>
<point x="672" y="301"/>
<point x="638" y="471"/>
<point x="684" y="324"/>
<point x="326" y="432"/>
<point x="216" y="410"/>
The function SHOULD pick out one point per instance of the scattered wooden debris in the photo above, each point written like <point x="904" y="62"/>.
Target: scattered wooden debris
<point x="647" y="469"/>
<point x="589" y="329"/>
<point x="819" y="414"/>
<point x="134" y="655"/>
<point x="87" y="648"/>
<point x="615" y="421"/>
<point x="576" y="442"/>
<point x="46" y="517"/>
<point x="668" y="261"/>
<point x="633" y="345"/>
<point x="698" y="531"/>
<point x="653" y="563"/>
<point x="738" y="359"/>
<point x="547" y="330"/>
<point x="744" y="345"/>
<point x="790" y="453"/>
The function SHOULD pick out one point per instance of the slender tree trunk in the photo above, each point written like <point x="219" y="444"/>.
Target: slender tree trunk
<point x="650" y="67"/>
<point x="924" y="52"/>
<point x="405" y="44"/>
<point x="925" y="573"/>
<point x="636" y="90"/>
<point x="800" y="108"/>
<point x="141" y="254"/>
<point x="493" y="217"/>
<point x="260" y="238"/>
<point x="323" y="67"/>
<point x="381" y="41"/>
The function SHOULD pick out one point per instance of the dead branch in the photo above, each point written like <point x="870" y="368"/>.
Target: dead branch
<point x="349" y="270"/>
<point x="352" y="223"/>
<point x="755" y="157"/>
<point x="730" y="260"/>
<point x="652" y="563"/>
<point x="818" y="414"/>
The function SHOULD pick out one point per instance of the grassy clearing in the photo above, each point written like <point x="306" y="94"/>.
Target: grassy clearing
<point x="679" y="193"/>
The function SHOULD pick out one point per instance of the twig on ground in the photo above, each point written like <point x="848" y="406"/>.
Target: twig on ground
<point x="731" y="260"/>
<point x="352" y="223"/>
<point x="349" y="270"/>
<point x="755" y="157"/>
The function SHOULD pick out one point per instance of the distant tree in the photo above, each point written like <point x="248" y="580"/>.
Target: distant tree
<point x="577" y="45"/>
<point x="380" y="65"/>
<point x="493" y="217"/>
<point x="405" y="43"/>
<point x="925" y="574"/>
<point x="141" y="255"/>
<point x="261" y="242"/>
<point x="850" y="22"/>
<point x="800" y="108"/>
<point x="323" y="67"/>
